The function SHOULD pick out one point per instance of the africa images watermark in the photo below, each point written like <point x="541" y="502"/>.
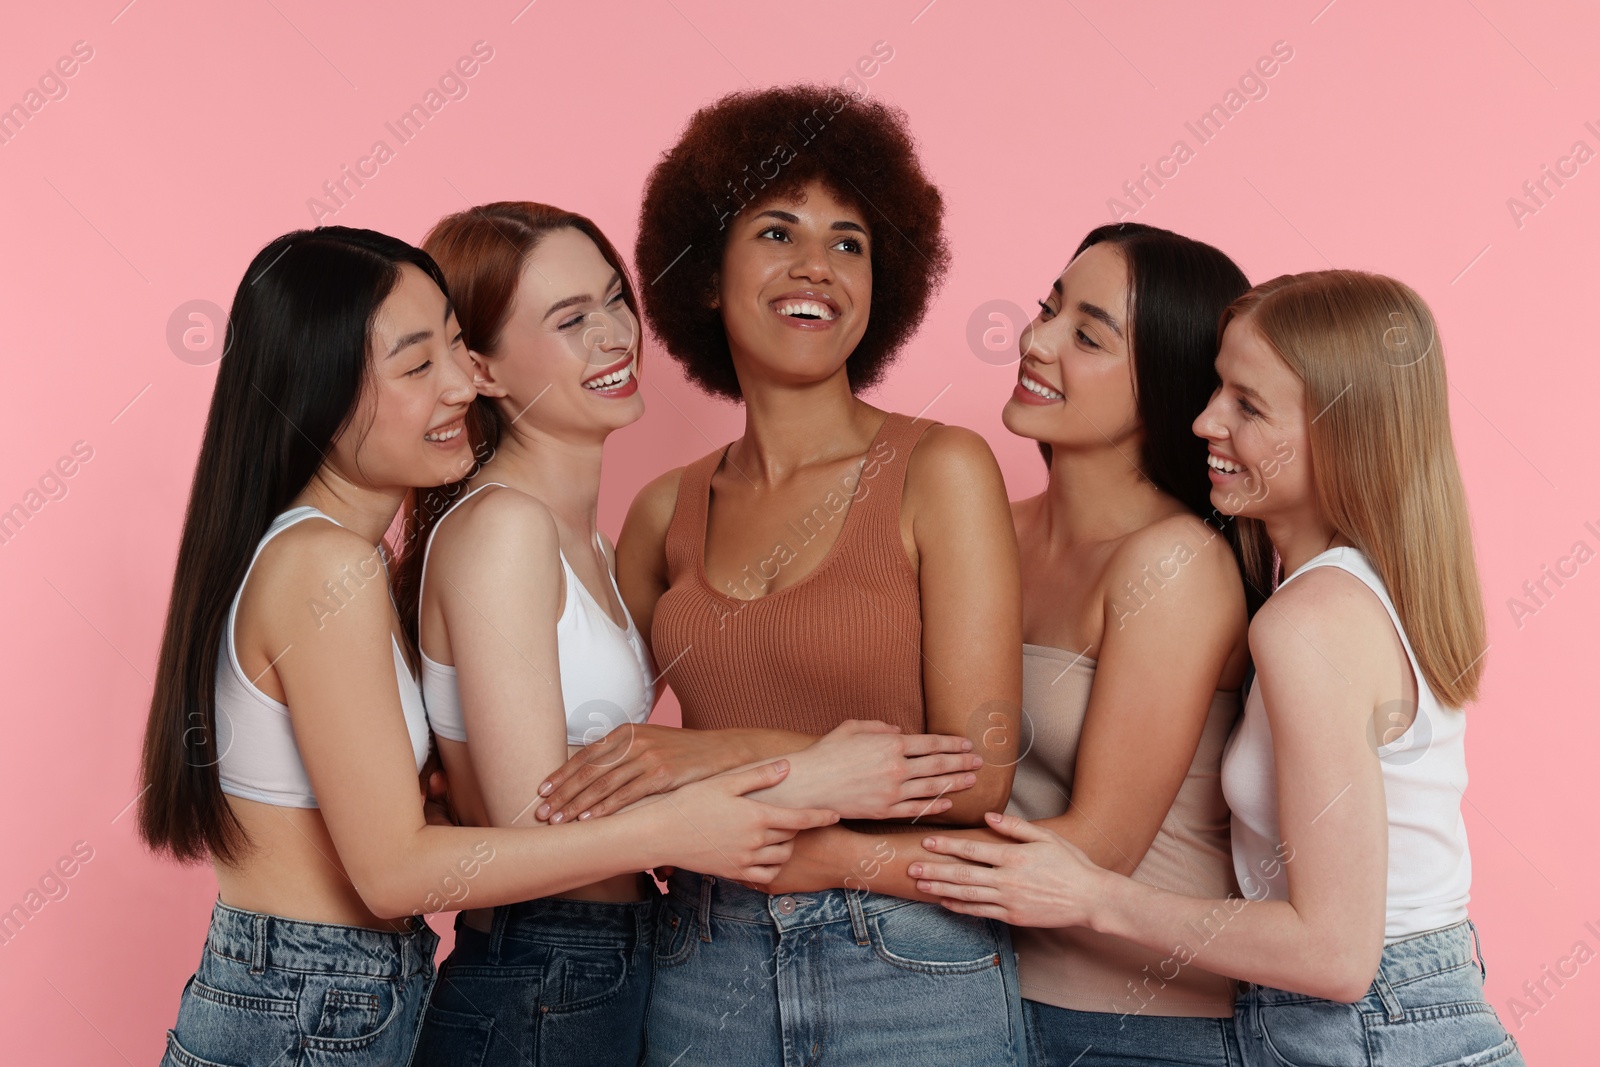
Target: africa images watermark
<point x="1252" y="85"/>
<point x="451" y="85"/>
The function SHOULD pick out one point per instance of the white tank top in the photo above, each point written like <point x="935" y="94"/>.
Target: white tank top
<point x="605" y="669"/>
<point x="259" y="759"/>
<point x="1424" y="775"/>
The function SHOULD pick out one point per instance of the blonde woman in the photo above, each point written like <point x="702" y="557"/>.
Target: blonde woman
<point x="1346" y="771"/>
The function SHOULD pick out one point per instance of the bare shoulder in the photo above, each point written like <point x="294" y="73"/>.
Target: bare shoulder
<point x="291" y="579"/>
<point x="651" y="511"/>
<point x="499" y="522"/>
<point x="1325" y="621"/>
<point x="1182" y="550"/>
<point x="949" y="460"/>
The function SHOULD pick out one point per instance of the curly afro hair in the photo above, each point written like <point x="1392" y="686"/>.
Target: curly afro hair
<point x="755" y="146"/>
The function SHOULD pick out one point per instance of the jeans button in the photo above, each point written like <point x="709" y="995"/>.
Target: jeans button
<point x="786" y="905"/>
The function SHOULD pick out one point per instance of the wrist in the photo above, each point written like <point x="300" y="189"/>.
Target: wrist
<point x="1108" y="903"/>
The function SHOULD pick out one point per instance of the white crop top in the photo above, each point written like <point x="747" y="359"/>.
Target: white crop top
<point x="259" y="758"/>
<point x="1424" y="775"/>
<point x="605" y="669"/>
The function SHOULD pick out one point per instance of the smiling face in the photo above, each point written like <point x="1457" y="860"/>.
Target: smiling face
<point x="1075" y="382"/>
<point x="1257" y="430"/>
<point x="570" y="343"/>
<point x="408" y="429"/>
<point x="795" y="287"/>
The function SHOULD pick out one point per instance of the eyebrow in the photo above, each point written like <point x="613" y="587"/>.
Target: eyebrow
<point x="419" y="336"/>
<point x="841" y="224"/>
<point x="581" y="298"/>
<point x="1094" y="311"/>
<point x="1246" y="391"/>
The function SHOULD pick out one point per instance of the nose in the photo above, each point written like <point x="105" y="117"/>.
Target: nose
<point x="1205" y="423"/>
<point x="811" y="261"/>
<point x="611" y="332"/>
<point x="455" y="379"/>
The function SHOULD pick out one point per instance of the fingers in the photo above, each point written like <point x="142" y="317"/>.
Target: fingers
<point x="797" y="819"/>
<point x="942" y="763"/>
<point x="918" y="807"/>
<point x="638" y="788"/>
<point x="968" y="894"/>
<point x="928" y="744"/>
<point x="574" y="764"/>
<point x="585" y="789"/>
<point x="932" y="787"/>
<point x="738" y="783"/>
<point x="987" y="911"/>
<point x="964" y="848"/>
<point x="1019" y="828"/>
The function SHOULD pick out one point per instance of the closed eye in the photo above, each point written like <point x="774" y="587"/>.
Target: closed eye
<point x="420" y="368"/>
<point x="1086" y="339"/>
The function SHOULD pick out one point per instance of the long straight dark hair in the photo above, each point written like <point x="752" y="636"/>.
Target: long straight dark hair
<point x="295" y="364"/>
<point x="1180" y="289"/>
<point x="483" y="251"/>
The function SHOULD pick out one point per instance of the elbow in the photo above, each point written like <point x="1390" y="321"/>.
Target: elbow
<point x="1348" y="977"/>
<point x="386" y="894"/>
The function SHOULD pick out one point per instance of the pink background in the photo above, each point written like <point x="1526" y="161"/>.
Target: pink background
<point x="1391" y="141"/>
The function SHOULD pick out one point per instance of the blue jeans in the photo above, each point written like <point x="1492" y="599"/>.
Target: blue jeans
<point x="837" y="978"/>
<point x="1061" y="1037"/>
<point x="554" y="982"/>
<point x="275" y="991"/>
<point x="1425" y="1008"/>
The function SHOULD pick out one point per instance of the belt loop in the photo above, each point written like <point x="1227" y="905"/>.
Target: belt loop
<point x="1391" y="1003"/>
<point x="497" y="932"/>
<point x="258" y="953"/>
<point x="1477" y="949"/>
<point x="858" y="917"/>
<point x="706" y="882"/>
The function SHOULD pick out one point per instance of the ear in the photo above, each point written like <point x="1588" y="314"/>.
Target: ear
<point x="483" y="376"/>
<point x="714" y="288"/>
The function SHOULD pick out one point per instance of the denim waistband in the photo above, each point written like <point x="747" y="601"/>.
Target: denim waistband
<point x="602" y="921"/>
<point x="263" y="941"/>
<point x="710" y="895"/>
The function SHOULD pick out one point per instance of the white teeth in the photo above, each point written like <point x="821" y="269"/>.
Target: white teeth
<point x="1039" y="390"/>
<point x="612" y="379"/>
<point x="806" y="307"/>
<point x="1217" y="463"/>
<point x="448" y="435"/>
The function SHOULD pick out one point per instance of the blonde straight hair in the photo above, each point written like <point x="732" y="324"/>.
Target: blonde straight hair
<point x="1383" y="463"/>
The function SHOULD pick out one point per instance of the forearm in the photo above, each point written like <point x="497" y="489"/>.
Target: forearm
<point x="502" y="865"/>
<point x="1267" y="942"/>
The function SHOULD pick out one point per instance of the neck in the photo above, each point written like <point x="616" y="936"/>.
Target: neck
<point x="563" y="474"/>
<point x="1097" y="494"/>
<point x="368" y="511"/>
<point x="1300" y="537"/>
<point x="789" y="427"/>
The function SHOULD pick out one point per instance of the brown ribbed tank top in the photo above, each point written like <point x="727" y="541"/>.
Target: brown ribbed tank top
<point x="843" y="642"/>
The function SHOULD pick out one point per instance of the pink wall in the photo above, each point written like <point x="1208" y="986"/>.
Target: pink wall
<point x="1391" y="140"/>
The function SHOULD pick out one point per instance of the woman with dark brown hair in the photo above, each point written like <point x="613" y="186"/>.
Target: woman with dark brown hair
<point x="836" y="560"/>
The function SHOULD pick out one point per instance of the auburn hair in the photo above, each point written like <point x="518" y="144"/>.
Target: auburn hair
<point x="482" y="252"/>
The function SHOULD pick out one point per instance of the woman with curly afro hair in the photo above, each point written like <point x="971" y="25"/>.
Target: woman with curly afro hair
<point x="840" y="579"/>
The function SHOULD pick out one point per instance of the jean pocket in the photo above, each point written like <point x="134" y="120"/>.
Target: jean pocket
<point x="353" y="1011"/>
<point x="1315" y="1033"/>
<point x="226" y="1015"/>
<point x="930" y="939"/>
<point x="580" y="979"/>
<point x="675" y="935"/>
<point x="178" y="1056"/>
